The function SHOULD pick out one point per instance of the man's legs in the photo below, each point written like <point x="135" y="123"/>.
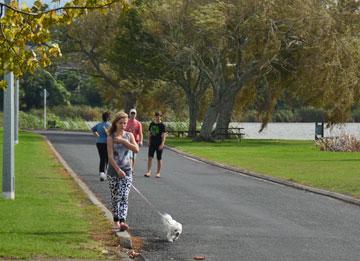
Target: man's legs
<point x="159" y="162"/>
<point x="148" y="173"/>
<point x="102" y="149"/>
<point x="150" y="157"/>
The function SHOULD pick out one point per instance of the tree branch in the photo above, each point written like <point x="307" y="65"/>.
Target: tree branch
<point x="56" y="9"/>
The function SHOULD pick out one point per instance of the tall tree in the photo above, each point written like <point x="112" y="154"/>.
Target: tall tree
<point x="85" y="44"/>
<point x="170" y="22"/>
<point x="134" y="56"/>
<point x="299" y="46"/>
<point x="34" y="86"/>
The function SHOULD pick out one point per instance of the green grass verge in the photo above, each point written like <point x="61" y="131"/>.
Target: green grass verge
<point x="50" y="217"/>
<point x="297" y="161"/>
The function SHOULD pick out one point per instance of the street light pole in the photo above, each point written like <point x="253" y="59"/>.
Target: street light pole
<point x="8" y="181"/>
<point x="45" y="96"/>
<point x="16" y="107"/>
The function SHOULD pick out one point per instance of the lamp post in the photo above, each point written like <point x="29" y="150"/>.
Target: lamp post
<point x="8" y="181"/>
<point x="16" y="108"/>
<point x="44" y="94"/>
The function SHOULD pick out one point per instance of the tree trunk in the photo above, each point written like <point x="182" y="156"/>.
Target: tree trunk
<point x="194" y="85"/>
<point x="193" y="114"/>
<point x="225" y="113"/>
<point x="130" y="101"/>
<point x="208" y="123"/>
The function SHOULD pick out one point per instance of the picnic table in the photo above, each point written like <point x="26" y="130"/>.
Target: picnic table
<point x="224" y="133"/>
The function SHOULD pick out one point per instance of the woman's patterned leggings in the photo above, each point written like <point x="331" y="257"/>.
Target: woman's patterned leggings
<point x="120" y="189"/>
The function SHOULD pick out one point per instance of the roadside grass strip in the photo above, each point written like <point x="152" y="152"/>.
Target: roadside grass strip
<point x="297" y="161"/>
<point x="50" y="217"/>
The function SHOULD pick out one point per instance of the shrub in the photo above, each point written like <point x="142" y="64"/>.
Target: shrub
<point x="283" y="116"/>
<point x="177" y="125"/>
<point x="30" y="121"/>
<point x="85" y="113"/>
<point x="33" y="121"/>
<point x="249" y="116"/>
<point x="344" y="142"/>
<point x="310" y="114"/>
<point x="356" y="115"/>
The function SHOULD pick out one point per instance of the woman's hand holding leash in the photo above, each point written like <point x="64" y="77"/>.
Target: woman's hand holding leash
<point x="121" y="173"/>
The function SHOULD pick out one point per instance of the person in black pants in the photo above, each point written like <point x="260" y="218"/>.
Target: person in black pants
<point x="100" y="131"/>
<point x="157" y="137"/>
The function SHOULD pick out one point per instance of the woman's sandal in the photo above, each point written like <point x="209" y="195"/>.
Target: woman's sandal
<point x="157" y="175"/>
<point x="147" y="175"/>
<point x="116" y="229"/>
<point x="124" y="226"/>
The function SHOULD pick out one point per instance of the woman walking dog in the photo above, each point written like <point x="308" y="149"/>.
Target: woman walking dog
<point x="119" y="145"/>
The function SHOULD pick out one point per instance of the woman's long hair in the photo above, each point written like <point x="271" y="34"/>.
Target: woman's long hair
<point x="118" y="116"/>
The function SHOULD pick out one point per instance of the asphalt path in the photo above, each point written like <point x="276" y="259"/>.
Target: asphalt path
<point x="225" y="215"/>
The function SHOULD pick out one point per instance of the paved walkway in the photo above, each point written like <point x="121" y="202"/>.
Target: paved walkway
<point x="225" y="216"/>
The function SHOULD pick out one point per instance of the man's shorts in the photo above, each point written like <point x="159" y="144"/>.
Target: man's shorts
<point x="152" y="149"/>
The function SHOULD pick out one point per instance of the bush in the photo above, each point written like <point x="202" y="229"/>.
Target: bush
<point x="344" y="142"/>
<point x="177" y="125"/>
<point x="85" y="113"/>
<point x="283" y="116"/>
<point x="249" y="116"/>
<point x="310" y="114"/>
<point x="33" y="121"/>
<point x="72" y="125"/>
<point x="30" y="121"/>
<point x="356" y="115"/>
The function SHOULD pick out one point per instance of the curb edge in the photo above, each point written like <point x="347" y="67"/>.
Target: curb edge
<point x="338" y="196"/>
<point x="125" y="237"/>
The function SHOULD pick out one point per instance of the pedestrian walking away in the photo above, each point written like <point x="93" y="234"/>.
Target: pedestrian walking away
<point x="157" y="136"/>
<point x="135" y="127"/>
<point x="119" y="145"/>
<point x="100" y="131"/>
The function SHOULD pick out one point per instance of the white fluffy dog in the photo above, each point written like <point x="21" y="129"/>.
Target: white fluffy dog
<point x="172" y="227"/>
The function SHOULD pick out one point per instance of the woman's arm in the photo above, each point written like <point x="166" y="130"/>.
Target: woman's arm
<point x="111" y="157"/>
<point x="134" y="144"/>
<point x="94" y="131"/>
<point x="131" y="145"/>
<point x="141" y="134"/>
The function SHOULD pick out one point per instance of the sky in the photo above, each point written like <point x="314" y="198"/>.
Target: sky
<point x="30" y="2"/>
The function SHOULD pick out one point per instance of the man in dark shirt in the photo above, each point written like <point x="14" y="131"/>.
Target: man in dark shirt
<point x="156" y="143"/>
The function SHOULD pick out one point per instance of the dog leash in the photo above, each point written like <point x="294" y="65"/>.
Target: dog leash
<point x="147" y="201"/>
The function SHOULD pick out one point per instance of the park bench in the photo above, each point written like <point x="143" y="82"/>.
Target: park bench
<point x="223" y="133"/>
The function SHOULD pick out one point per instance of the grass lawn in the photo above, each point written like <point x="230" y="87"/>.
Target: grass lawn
<point x="50" y="217"/>
<point x="297" y="161"/>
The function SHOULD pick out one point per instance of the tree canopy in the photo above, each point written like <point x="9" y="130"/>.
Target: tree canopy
<point x="221" y="55"/>
<point x="25" y="37"/>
